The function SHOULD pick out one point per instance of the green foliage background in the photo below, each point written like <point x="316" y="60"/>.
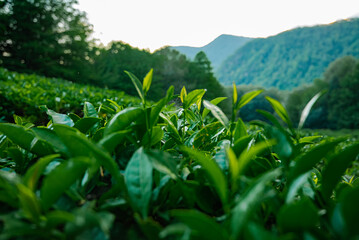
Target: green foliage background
<point x="292" y="58"/>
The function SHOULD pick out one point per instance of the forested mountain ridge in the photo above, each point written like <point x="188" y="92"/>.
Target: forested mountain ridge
<point x="291" y="58"/>
<point x="218" y="50"/>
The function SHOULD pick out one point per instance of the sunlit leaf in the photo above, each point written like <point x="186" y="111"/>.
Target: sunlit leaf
<point x="235" y="94"/>
<point x="307" y="109"/>
<point x="280" y="110"/>
<point x="183" y="94"/>
<point x="193" y="97"/>
<point x="147" y="81"/>
<point x="217" y="113"/>
<point x="246" y="98"/>
<point x="137" y="85"/>
<point x="215" y="101"/>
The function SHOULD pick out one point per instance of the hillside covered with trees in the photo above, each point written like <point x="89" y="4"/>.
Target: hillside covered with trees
<point x="52" y="38"/>
<point x="292" y="58"/>
<point x="218" y="50"/>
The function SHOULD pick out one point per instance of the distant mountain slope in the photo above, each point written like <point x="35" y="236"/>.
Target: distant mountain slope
<point x="217" y="50"/>
<point x="291" y="58"/>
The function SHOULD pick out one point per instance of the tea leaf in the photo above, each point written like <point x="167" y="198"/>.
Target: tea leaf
<point x="298" y="216"/>
<point x="89" y="110"/>
<point x="193" y="97"/>
<point x="33" y="175"/>
<point x="201" y="224"/>
<point x="235" y="95"/>
<point x="85" y="124"/>
<point x="137" y="85"/>
<point x="280" y="110"/>
<point x="307" y="160"/>
<point x="214" y="173"/>
<point x="215" y="101"/>
<point x="183" y="94"/>
<point x="337" y="164"/>
<point x="138" y="178"/>
<point x="147" y="81"/>
<point x="246" y="98"/>
<point x="61" y="178"/>
<point x="122" y="120"/>
<point x="307" y="109"/>
<point x="217" y="113"/>
<point x="249" y="201"/>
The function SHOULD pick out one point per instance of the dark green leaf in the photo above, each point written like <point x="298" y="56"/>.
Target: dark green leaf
<point x="214" y="173"/>
<point x="201" y="224"/>
<point x="336" y="167"/>
<point x="111" y="141"/>
<point x="78" y="145"/>
<point x="138" y="177"/>
<point x="156" y="136"/>
<point x="159" y="106"/>
<point x="298" y="216"/>
<point x="307" y="160"/>
<point x="25" y="138"/>
<point x="350" y="211"/>
<point x="50" y="137"/>
<point x="85" y="124"/>
<point x="122" y="120"/>
<point x="29" y="203"/>
<point x="163" y="162"/>
<point x="241" y="144"/>
<point x="34" y="173"/>
<point x="250" y="200"/>
<point x="61" y="178"/>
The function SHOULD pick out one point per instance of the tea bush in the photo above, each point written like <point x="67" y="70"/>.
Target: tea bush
<point x="23" y="94"/>
<point x="150" y="172"/>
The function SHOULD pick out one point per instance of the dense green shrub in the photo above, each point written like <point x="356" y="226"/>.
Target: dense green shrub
<point x="23" y="94"/>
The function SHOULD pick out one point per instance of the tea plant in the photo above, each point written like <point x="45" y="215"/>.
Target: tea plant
<point x="23" y="94"/>
<point x="151" y="172"/>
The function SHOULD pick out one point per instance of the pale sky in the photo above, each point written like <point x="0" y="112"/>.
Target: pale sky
<point x="152" y="24"/>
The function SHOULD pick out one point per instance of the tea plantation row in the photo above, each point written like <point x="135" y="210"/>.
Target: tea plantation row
<point x="146" y="172"/>
<point x="23" y="94"/>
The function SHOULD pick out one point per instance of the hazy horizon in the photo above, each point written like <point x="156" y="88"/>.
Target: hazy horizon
<point x="152" y="25"/>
